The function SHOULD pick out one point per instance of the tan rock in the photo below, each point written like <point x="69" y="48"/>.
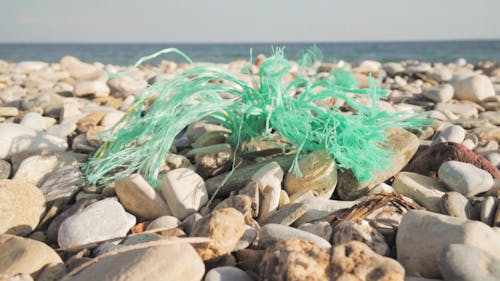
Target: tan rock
<point x="138" y="197"/>
<point x="319" y="173"/>
<point x="8" y="111"/>
<point x="294" y="260"/>
<point x="177" y="261"/>
<point x="89" y="121"/>
<point x="23" y="255"/>
<point x="356" y="261"/>
<point x="225" y="227"/>
<point x="404" y="145"/>
<point x="35" y="168"/>
<point x="426" y="191"/>
<point x="21" y="207"/>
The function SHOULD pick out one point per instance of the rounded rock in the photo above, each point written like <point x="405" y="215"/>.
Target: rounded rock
<point x="21" y="207"/>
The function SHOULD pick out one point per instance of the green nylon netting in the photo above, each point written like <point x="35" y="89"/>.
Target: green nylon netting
<point x="142" y="139"/>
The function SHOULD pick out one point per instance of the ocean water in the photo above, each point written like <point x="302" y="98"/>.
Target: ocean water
<point x="126" y="54"/>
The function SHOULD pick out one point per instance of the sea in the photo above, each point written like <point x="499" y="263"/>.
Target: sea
<point x="129" y="53"/>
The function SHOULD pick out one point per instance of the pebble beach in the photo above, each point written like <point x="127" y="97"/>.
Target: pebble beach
<point x="432" y="215"/>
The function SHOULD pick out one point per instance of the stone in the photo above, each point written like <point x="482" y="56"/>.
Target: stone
<point x="252" y="191"/>
<point x="139" y="198"/>
<point x="5" y="169"/>
<point x="422" y="235"/>
<point x="441" y="74"/>
<point x="319" y="173"/>
<point x="89" y="121"/>
<point x="465" y="178"/>
<point x="225" y="227"/>
<point x="184" y="191"/>
<point x="16" y="277"/>
<point x="53" y="229"/>
<point x="77" y="68"/>
<point x="248" y="238"/>
<point x="176" y="261"/>
<point x="242" y="203"/>
<point x="35" y="168"/>
<point x="62" y="130"/>
<point x="320" y="208"/>
<point x="268" y="179"/>
<point x="197" y="129"/>
<point x="18" y="139"/>
<point x="453" y="133"/>
<point x="424" y="190"/>
<point x="321" y="228"/>
<point x="62" y="184"/>
<point x="454" y="111"/>
<point x="242" y="176"/>
<point x="166" y="222"/>
<point x="493" y="157"/>
<point x="23" y="255"/>
<point x="126" y="85"/>
<point x="272" y="233"/>
<point x="102" y="220"/>
<point x="474" y="88"/>
<point x="488" y="133"/>
<point x="429" y="161"/>
<point x="94" y="88"/>
<point x="460" y="262"/>
<point x="141" y="238"/>
<point x="212" y="160"/>
<point x="393" y="68"/>
<point x="456" y="205"/>
<point x="369" y="66"/>
<point x="210" y="138"/>
<point x="21" y="207"/>
<point x="492" y="116"/>
<point x="7" y="111"/>
<point x="489" y="207"/>
<point x="288" y="214"/>
<point x="190" y="221"/>
<point x="404" y="145"/>
<point x="227" y="273"/>
<point x="356" y="261"/>
<point x="294" y="260"/>
<point x="111" y="118"/>
<point x="360" y="230"/>
<point x="34" y="121"/>
<point x="441" y="93"/>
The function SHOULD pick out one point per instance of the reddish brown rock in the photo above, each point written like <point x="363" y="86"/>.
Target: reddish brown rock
<point x="294" y="260"/>
<point x="428" y="162"/>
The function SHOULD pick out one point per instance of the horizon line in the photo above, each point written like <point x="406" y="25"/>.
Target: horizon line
<point x="255" y="42"/>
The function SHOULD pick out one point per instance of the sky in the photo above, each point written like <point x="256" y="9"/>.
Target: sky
<point x="211" y="21"/>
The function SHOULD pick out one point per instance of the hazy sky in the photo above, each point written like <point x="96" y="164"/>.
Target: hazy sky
<point x="246" y="21"/>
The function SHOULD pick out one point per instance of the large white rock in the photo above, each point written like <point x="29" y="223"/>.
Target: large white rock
<point x="465" y="178"/>
<point x="422" y="235"/>
<point x="474" y="88"/>
<point x="102" y="220"/>
<point x="184" y="191"/>
<point x="441" y="93"/>
<point x="15" y="138"/>
<point x="77" y="68"/>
